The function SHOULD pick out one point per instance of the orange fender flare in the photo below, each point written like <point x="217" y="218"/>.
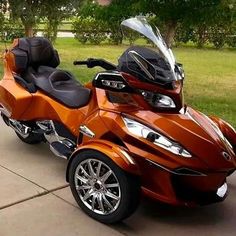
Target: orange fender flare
<point x="226" y="129"/>
<point x="119" y="155"/>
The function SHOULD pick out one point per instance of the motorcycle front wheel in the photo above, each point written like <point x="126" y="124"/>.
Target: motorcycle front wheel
<point x="102" y="189"/>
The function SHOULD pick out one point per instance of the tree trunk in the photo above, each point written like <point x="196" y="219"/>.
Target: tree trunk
<point x="29" y="32"/>
<point x="170" y="32"/>
<point x="202" y="37"/>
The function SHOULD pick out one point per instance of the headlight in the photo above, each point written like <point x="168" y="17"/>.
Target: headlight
<point x="158" y="100"/>
<point x="158" y="139"/>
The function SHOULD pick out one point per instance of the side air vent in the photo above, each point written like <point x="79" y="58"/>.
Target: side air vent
<point x="186" y="171"/>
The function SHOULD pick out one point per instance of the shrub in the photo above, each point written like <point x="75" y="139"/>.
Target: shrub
<point x="11" y="30"/>
<point x="115" y="37"/>
<point x="89" y="30"/>
<point x="130" y="35"/>
<point x="184" y="34"/>
<point x="231" y="39"/>
<point x="217" y="36"/>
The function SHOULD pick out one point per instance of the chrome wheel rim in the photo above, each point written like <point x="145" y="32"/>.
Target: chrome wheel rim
<point x="97" y="186"/>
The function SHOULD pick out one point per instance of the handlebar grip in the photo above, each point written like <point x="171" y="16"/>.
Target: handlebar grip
<point x="91" y="63"/>
<point x="80" y="63"/>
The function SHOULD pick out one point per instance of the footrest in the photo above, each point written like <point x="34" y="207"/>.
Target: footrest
<point x="60" y="149"/>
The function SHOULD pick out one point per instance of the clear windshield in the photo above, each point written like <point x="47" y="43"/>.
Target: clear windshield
<point x="139" y="25"/>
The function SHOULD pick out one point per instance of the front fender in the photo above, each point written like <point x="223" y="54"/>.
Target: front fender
<point x="116" y="153"/>
<point x="227" y="130"/>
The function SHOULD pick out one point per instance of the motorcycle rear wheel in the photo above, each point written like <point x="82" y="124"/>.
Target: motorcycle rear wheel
<point x="30" y="138"/>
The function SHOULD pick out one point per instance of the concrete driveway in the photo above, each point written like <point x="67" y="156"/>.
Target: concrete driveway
<point x="36" y="200"/>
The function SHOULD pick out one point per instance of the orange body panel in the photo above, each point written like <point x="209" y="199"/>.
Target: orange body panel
<point x="227" y="130"/>
<point x="14" y="98"/>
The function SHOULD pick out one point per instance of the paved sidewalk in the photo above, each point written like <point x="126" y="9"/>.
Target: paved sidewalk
<point x="36" y="200"/>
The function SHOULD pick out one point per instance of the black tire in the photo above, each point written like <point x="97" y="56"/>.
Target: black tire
<point x="32" y="138"/>
<point x="130" y="188"/>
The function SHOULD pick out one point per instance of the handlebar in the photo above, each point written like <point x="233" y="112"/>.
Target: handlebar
<point x="80" y="63"/>
<point x="91" y="63"/>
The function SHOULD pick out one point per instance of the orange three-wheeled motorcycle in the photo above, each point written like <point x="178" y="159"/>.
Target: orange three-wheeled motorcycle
<point x="125" y="133"/>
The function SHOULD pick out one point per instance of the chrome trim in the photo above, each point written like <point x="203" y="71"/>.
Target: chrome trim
<point x="51" y="134"/>
<point x="174" y="172"/>
<point x="21" y="129"/>
<point x="86" y="131"/>
<point x="45" y="125"/>
<point x="107" y="73"/>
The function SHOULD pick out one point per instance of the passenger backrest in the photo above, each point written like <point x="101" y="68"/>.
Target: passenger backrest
<point x="34" y="52"/>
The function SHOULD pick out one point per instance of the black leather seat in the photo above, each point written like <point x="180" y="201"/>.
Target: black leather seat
<point x="59" y="85"/>
<point x="36" y="63"/>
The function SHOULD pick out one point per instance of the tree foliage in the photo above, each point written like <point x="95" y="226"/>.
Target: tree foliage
<point x="88" y="29"/>
<point x="111" y="15"/>
<point x="199" y="21"/>
<point x="54" y="12"/>
<point x="173" y="13"/>
<point x="30" y="12"/>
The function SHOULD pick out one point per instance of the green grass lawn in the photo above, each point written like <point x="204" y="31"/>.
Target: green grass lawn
<point x="210" y="84"/>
